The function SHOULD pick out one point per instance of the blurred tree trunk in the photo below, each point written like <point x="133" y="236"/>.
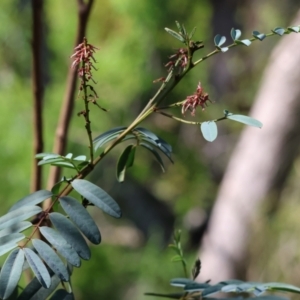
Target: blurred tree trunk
<point x="259" y="164"/>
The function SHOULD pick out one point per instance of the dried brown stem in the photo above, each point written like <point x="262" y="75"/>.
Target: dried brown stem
<point x="38" y="91"/>
<point x="68" y="104"/>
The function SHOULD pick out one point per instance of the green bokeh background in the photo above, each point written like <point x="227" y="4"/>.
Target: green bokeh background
<point x="133" y="50"/>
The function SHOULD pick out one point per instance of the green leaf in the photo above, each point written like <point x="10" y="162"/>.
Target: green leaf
<point x="71" y="234"/>
<point x="245" y="120"/>
<point x="79" y="215"/>
<point x="32" y="199"/>
<point x="258" y="35"/>
<point x="176" y="258"/>
<point x="277" y="286"/>
<point x="212" y="290"/>
<point x="80" y="158"/>
<point x="97" y="196"/>
<point x="219" y="40"/>
<point x="61" y="245"/>
<point x="192" y="33"/>
<point x="38" y="267"/>
<point x="181" y="282"/>
<point x="244" y="42"/>
<point x="34" y="290"/>
<point x="105" y="137"/>
<point x="209" y="130"/>
<point x="18" y="215"/>
<point x="195" y="286"/>
<point x="294" y="29"/>
<point x="175" y="35"/>
<point x="51" y="156"/>
<point x="11" y="272"/>
<point x="153" y="139"/>
<point x="155" y="153"/>
<point x="7" y="241"/>
<point x="69" y="155"/>
<point x="169" y="296"/>
<point x="62" y="295"/>
<point x="51" y="259"/>
<point x="42" y="155"/>
<point x="19" y="227"/>
<point x="125" y="161"/>
<point x="181" y="28"/>
<point x="278" y="30"/>
<point x="235" y="34"/>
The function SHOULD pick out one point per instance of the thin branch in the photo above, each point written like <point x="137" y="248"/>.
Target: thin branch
<point x="68" y="104"/>
<point x="38" y="91"/>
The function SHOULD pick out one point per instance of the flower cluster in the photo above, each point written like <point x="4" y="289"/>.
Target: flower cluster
<point x="180" y="58"/>
<point x="84" y="54"/>
<point x="198" y="99"/>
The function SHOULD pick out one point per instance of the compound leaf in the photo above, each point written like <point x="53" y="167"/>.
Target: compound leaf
<point x="61" y="245"/>
<point x="71" y="234"/>
<point x="38" y="268"/>
<point x="79" y="215"/>
<point x="51" y="259"/>
<point x="258" y="35"/>
<point x="235" y="34"/>
<point x="219" y="40"/>
<point x="97" y="196"/>
<point x="11" y="272"/>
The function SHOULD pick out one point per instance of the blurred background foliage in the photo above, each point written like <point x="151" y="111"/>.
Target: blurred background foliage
<point x="133" y="257"/>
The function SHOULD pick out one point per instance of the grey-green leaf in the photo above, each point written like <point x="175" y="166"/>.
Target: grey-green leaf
<point x="278" y="30"/>
<point x="175" y="35"/>
<point x="258" y="35"/>
<point x="125" y="161"/>
<point x="32" y="199"/>
<point x="9" y="240"/>
<point x="79" y="215"/>
<point x="19" y="227"/>
<point x="51" y="259"/>
<point x="219" y="40"/>
<point x="245" y="120"/>
<point x="105" y="137"/>
<point x="34" y="290"/>
<point x="71" y="234"/>
<point x="155" y="153"/>
<point x="11" y="272"/>
<point x="62" y="295"/>
<point x="209" y="130"/>
<point x="294" y="29"/>
<point x="235" y="34"/>
<point x="97" y="196"/>
<point x="38" y="267"/>
<point x="244" y="42"/>
<point x="181" y="282"/>
<point x="61" y="245"/>
<point x="18" y="215"/>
